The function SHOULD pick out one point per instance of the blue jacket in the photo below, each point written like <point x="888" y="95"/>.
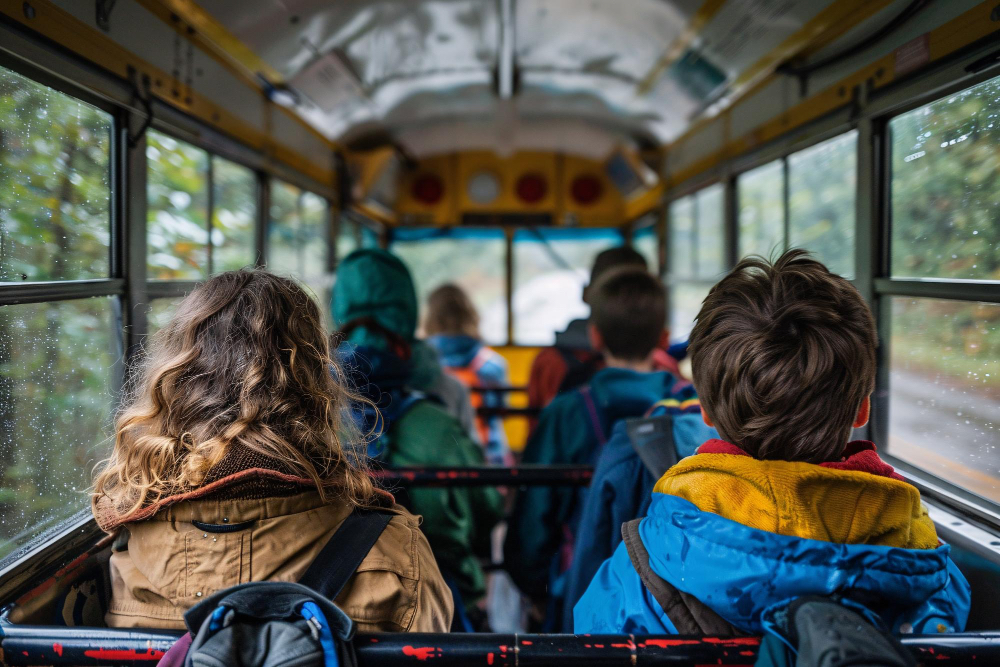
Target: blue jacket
<point x="490" y="369"/>
<point x="543" y="517"/>
<point x="746" y="575"/>
<point x="621" y="490"/>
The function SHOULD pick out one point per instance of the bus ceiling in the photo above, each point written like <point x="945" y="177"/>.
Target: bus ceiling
<point x="505" y="111"/>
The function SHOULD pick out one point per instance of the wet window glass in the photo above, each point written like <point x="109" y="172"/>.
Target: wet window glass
<point x="177" y="210"/>
<point x="160" y="312"/>
<point x="762" y="210"/>
<point x="348" y="237"/>
<point x="315" y="232"/>
<point x="698" y="249"/>
<point x="234" y="212"/>
<point x="944" y="401"/>
<point x="56" y="362"/>
<point x="283" y="228"/>
<point x="647" y="242"/>
<point x="551" y="268"/>
<point x="473" y="259"/>
<point x="685" y="302"/>
<point x="946" y="187"/>
<point x="298" y="239"/>
<point x="682" y="239"/>
<point x="55" y="175"/>
<point x="822" y="185"/>
<point x="708" y="231"/>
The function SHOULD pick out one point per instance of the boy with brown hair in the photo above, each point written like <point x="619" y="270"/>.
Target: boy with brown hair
<point x="783" y="506"/>
<point x="627" y="326"/>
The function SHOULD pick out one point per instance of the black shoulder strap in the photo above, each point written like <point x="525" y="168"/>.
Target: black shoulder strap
<point x="652" y="438"/>
<point x="344" y="551"/>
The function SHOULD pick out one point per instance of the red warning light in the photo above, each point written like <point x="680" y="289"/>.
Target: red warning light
<point x="586" y="189"/>
<point x="531" y="188"/>
<point x="427" y="189"/>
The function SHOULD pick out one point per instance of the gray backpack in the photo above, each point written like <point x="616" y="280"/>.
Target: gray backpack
<point x="274" y="624"/>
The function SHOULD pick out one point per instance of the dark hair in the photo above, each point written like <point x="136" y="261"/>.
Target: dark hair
<point x="629" y="309"/>
<point x="783" y="355"/>
<point x="616" y="257"/>
<point x="451" y="311"/>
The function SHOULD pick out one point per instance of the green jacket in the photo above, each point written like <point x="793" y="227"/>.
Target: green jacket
<point x="457" y="521"/>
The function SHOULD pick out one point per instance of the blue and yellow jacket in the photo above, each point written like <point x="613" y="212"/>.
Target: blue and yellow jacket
<point x="745" y="537"/>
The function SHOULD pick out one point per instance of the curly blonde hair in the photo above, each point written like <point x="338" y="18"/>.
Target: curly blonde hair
<point x="244" y="361"/>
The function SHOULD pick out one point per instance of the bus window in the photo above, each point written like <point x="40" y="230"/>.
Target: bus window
<point x="315" y="232"/>
<point x="160" y="312"/>
<point x="297" y="239"/>
<point x="762" y="210"/>
<point x="57" y="358"/>
<point x="55" y="398"/>
<point x="177" y="211"/>
<point x="473" y="259"/>
<point x="696" y="251"/>
<point x="946" y="187"/>
<point x="682" y="239"/>
<point x="944" y="401"/>
<point x="551" y="268"/>
<point x="234" y="212"/>
<point x="822" y="185"/>
<point x="55" y="178"/>
<point x="348" y="237"/>
<point x="646" y="240"/>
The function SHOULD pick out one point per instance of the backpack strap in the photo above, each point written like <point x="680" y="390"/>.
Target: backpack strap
<point x="595" y="417"/>
<point x="688" y="614"/>
<point x="344" y="551"/>
<point x="478" y="361"/>
<point x="652" y="438"/>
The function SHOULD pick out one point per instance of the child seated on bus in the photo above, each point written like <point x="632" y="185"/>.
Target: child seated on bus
<point x="374" y="306"/>
<point x="627" y="326"/>
<point x="572" y="361"/>
<point x="783" y="506"/>
<point x="452" y="328"/>
<point x="232" y="463"/>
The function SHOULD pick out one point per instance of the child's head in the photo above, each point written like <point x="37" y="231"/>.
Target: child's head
<point x="628" y="311"/>
<point x="612" y="259"/>
<point x="244" y="361"/>
<point x="451" y="312"/>
<point x="784" y="358"/>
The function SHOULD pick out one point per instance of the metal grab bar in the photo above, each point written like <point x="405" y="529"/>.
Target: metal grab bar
<point x="487" y="411"/>
<point x="501" y="389"/>
<point x="524" y="475"/>
<point x="50" y="645"/>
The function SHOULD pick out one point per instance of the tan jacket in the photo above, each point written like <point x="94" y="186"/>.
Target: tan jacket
<point x="169" y="565"/>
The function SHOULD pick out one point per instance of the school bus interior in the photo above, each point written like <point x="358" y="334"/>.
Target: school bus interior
<point x="500" y="145"/>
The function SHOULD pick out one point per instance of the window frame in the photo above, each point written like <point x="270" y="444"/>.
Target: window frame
<point x="126" y="282"/>
<point x="873" y="227"/>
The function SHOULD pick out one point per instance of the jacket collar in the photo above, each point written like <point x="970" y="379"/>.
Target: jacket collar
<point x="620" y="392"/>
<point x="860" y="455"/>
<point x="456" y="351"/>
<point x="831" y="502"/>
